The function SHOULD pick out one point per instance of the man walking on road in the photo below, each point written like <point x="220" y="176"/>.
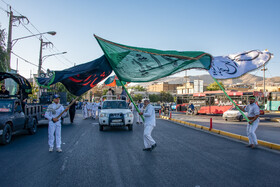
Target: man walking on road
<point x="52" y="113"/>
<point x="72" y="111"/>
<point x="149" y="124"/>
<point x="253" y="115"/>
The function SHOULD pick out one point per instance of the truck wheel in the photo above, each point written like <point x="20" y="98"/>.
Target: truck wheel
<point x="6" y="137"/>
<point x="130" y="127"/>
<point x="33" y="129"/>
<point x="100" y="128"/>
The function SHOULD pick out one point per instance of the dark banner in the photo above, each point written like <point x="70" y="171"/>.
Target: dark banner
<point x="79" y="79"/>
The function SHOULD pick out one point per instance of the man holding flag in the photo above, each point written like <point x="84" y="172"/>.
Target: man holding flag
<point x="253" y="115"/>
<point x="53" y="111"/>
<point x="149" y="124"/>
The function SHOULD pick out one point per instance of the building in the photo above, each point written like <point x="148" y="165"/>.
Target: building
<point x="191" y="87"/>
<point x="163" y="87"/>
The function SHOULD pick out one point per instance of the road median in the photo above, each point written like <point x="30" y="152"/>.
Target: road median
<point x="224" y="133"/>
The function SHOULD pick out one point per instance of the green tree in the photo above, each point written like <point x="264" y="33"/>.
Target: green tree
<point x="214" y="86"/>
<point x="104" y="91"/>
<point x="3" y="53"/>
<point x="137" y="97"/>
<point x="166" y="97"/>
<point x="154" y="98"/>
<point x="139" y="88"/>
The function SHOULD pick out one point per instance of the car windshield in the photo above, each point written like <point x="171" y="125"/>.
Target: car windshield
<point x="115" y="105"/>
<point x="6" y="106"/>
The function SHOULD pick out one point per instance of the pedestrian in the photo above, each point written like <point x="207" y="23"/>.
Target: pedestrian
<point x="52" y="113"/>
<point x="89" y="109"/>
<point x="123" y="94"/>
<point x="94" y="109"/>
<point x="109" y="94"/>
<point x="138" y="117"/>
<point x="84" y="109"/>
<point x="72" y="111"/>
<point x="3" y="92"/>
<point x="149" y="124"/>
<point x="253" y="115"/>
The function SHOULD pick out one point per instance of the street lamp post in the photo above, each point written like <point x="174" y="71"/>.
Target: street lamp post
<point x="13" y="42"/>
<point x="46" y="56"/>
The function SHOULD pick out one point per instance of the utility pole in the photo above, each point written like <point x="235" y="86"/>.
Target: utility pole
<point x="42" y="44"/>
<point x="9" y="45"/>
<point x="13" y="19"/>
<point x="264" y="92"/>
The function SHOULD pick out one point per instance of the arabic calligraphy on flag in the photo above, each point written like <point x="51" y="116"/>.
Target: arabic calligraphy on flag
<point x="236" y="65"/>
<point x="81" y="78"/>
<point x="134" y="64"/>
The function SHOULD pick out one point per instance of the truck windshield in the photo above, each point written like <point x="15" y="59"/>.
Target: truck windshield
<point x="114" y="105"/>
<point x="6" y="106"/>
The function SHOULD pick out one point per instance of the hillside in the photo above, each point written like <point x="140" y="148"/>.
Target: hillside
<point x="207" y="79"/>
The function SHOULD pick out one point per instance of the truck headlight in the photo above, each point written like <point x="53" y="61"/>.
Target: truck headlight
<point x="103" y="115"/>
<point x="129" y="115"/>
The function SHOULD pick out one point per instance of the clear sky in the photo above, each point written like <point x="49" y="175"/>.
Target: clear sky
<point x="218" y="27"/>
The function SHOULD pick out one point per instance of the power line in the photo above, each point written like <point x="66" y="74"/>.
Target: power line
<point x="57" y="50"/>
<point x="25" y="60"/>
<point x="3" y="9"/>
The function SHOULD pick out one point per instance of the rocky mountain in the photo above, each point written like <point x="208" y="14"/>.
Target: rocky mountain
<point x="207" y="79"/>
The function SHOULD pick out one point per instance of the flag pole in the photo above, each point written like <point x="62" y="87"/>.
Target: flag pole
<point x="131" y="99"/>
<point x="242" y="113"/>
<point x="67" y="107"/>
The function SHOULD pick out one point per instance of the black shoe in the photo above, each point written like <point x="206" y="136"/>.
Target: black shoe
<point x="147" y="149"/>
<point x="154" y="146"/>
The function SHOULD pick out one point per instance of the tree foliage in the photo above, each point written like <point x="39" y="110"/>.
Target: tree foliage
<point x="139" y="88"/>
<point x="154" y="98"/>
<point x="162" y="97"/>
<point x="137" y="97"/>
<point x="166" y="97"/>
<point x="214" y="86"/>
<point x="3" y="53"/>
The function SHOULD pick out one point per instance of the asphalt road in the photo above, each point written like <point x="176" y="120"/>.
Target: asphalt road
<point x="183" y="157"/>
<point x="267" y="130"/>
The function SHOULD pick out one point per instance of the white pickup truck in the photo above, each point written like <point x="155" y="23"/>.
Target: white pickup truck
<point x="115" y="113"/>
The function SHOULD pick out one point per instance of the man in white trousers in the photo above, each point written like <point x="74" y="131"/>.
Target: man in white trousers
<point x="94" y="109"/>
<point x="253" y="115"/>
<point x="52" y="113"/>
<point x="149" y="124"/>
<point x="84" y="109"/>
<point x="138" y="117"/>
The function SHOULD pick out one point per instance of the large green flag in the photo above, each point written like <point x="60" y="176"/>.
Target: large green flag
<point x="134" y="64"/>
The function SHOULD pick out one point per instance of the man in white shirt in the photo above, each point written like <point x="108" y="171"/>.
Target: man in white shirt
<point x="84" y="109"/>
<point x="253" y="115"/>
<point x="94" y="109"/>
<point x="52" y="113"/>
<point x="149" y="124"/>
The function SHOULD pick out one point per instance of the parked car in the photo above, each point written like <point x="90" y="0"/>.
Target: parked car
<point x="234" y="114"/>
<point x="115" y="113"/>
<point x="173" y="106"/>
<point x="156" y="106"/>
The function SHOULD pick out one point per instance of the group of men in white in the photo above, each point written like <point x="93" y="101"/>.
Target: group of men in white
<point x="91" y="109"/>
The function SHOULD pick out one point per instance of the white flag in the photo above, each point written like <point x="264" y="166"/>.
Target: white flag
<point x="235" y="65"/>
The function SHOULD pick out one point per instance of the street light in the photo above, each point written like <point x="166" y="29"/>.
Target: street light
<point x="11" y="43"/>
<point x="14" y="41"/>
<point x="46" y="56"/>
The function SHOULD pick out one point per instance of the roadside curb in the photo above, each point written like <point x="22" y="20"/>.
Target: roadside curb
<point x="275" y="119"/>
<point x="224" y="133"/>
